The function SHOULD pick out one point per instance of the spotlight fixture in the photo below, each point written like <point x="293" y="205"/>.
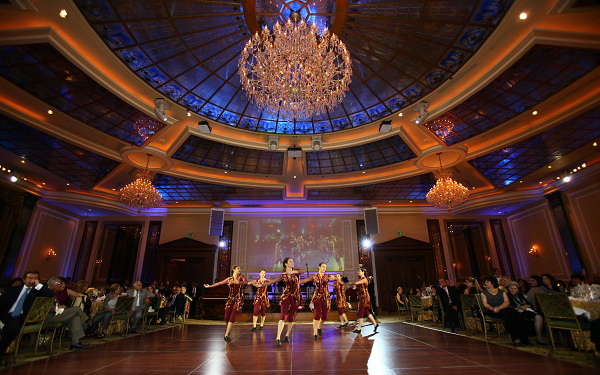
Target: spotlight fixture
<point x="13" y="178"/>
<point x="316" y="142"/>
<point x="294" y="152"/>
<point x="566" y="177"/>
<point x="50" y="112"/>
<point x="385" y="126"/>
<point x="63" y="13"/>
<point x="161" y="105"/>
<point x="423" y="113"/>
<point x="366" y="243"/>
<point x="222" y="243"/>
<point x="204" y="127"/>
<point x="523" y="16"/>
<point x="273" y="142"/>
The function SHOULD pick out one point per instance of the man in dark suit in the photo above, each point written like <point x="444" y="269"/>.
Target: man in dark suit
<point x="450" y="300"/>
<point x="16" y="302"/>
<point x="176" y="305"/>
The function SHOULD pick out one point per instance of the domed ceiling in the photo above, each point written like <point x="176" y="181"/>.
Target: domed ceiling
<point x="188" y="51"/>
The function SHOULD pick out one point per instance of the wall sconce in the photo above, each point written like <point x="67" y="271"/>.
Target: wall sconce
<point x="50" y="254"/>
<point x="534" y="251"/>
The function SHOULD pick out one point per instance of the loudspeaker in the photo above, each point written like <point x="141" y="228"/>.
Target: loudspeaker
<point x="371" y="221"/>
<point x="217" y="218"/>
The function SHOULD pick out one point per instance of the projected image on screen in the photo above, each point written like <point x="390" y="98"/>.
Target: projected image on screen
<point x="306" y="240"/>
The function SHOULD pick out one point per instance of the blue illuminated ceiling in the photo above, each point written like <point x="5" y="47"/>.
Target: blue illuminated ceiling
<point x="383" y="152"/>
<point x="202" y="151"/>
<point x="46" y="74"/>
<point x="179" y="189"/>
<point x="540" y="73"/>
<point x="508" y="165"/>
<point x="74" y="164"/>
<point x="405" y="189"/>
<point x="188" y="51"/>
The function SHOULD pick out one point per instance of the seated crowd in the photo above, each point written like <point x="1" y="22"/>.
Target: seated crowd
<point x="513" y="302"/>
<point x="74" y="301"/>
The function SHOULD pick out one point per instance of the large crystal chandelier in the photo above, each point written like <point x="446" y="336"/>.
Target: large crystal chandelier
<point x="294" y="72"/>
<point x="141" y="194"/>
<point x="446" y="192"/>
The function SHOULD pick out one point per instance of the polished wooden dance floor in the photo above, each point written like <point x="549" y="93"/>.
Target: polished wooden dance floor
<point x="397" y="349"/>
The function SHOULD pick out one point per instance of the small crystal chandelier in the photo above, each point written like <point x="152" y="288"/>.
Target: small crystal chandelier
<point x="141" y="194"/>
<point x="294" y="72"/>
<point x="446" y="192"/>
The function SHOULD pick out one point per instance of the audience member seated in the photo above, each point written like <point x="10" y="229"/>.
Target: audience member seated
<point x="473" y="286"/>
<point x="537" y="286"/>
<point x="105" y="314"/>
<point x="577" y="282"/>
<point x="520" y="303"/>
<point x="496" y="304"/>
<point x="65" y="296"/>
<point x="83" y="301"/>
<point x="401" y="298"/>
<point x="523" y="286"/>
<point x="73" y="317"/>
<point x="550" y="283"/>
<point x="176" y="305"/>
<point x="450" y="301"/>
<point x="15" y="303"/>
<point x="503" y="282"/>
<point x="141" y="299"/>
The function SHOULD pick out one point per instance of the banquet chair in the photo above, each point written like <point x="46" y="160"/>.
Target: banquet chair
<point x="416" y="306"/>
<point x="486" y="319"/>
<point x="402" y="309"/>
<point x="34" y="321"/>
<point x="558" y="314"/>
<point x="123" y="312"/>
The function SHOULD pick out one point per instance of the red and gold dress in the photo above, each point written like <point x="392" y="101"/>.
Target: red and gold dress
<point x="291" y="297"/>
<point x="364" y="300"/>
<point x="261" y="300"/>
<point x="320" y="298"/>
<point x="340" y="297"/>
<point x="235" y="300"/>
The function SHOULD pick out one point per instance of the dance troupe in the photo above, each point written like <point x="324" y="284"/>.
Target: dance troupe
<point x="290" y="299"/>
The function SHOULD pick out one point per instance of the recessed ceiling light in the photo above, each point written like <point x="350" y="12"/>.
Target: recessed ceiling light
<point x="364" y="172"/>
<point x="24" y="178"/>
<point x="410" y="201"/>
<point x="583" y="165"/>
<point x="578" y="168"/>
<point x="534" y="113"/>
<point x="595" y="144"/>
<point x="523" y="16"/>
<point x="63" y="13"/>
<point x="22" y="161"/>
<point x="189" y="113"/>
<point x="294" y="176"/>
<point x="50" y="112"/>
<point x="68" y="184"/>
<point x="400" y="114"/>
<point x="226" y="172"/>
<point x="549" y="166"/>
<point x="390" y="201"/>
<point x="14" y="178"/>
<point x="43" y="183"/>
<point x="114" y="189"/>
<point x="520" y="182"/>
<point x="540" y="182"/>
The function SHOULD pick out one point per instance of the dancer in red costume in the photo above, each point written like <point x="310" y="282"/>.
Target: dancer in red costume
<point x="364" y="301"/>
<point x="290" y="298"/>
<point x="340" y="300"/>
<point x="320" y="300"/>
<point x="235" y="300"/>
<point x="261" y="300"/>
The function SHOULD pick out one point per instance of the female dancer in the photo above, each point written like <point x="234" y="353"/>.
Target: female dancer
<point x="340" y="300"/>
<point x="320" y="300"/>
<point x="235" y="300"/>
<point x="261" y="300"/>
<point x="364" y="301"/>
<point x="290" y="298"/>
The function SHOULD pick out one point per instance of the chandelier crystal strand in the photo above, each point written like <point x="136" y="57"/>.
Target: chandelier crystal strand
<point x="446" y="192"/>
<point x="141" y="194"/>
<point x="293" y="72"/>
